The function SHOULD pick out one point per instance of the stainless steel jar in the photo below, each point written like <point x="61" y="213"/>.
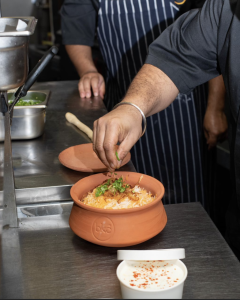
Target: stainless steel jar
<point x="14" y="39"/>
<point x="28" y="121"/>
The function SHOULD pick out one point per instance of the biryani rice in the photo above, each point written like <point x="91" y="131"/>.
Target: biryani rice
<point x="106" y="202"/>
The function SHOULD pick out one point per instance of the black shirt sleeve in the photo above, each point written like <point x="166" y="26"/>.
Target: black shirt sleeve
<point x="187" y="50"/>
<point x="190" y="4"/>
<point x="78" y="18"/>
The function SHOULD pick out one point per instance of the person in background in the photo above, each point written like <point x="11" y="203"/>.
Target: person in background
<point x="173" y="149"/>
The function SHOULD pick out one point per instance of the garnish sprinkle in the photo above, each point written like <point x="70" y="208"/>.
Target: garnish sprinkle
<point x="115" y="186"/>
<point x="117" y="156"/>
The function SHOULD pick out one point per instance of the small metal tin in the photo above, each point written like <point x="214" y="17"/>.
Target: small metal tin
<point x="28" y="121"/>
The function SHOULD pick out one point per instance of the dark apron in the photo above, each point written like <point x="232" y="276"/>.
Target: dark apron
<point x="172" y="148"/>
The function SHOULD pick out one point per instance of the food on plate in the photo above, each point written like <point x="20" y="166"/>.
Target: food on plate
<point x="117" y="194"/>
<point x="151" y="275"/>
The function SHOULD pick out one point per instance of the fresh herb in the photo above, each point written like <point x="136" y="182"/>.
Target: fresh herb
<point x="115" y="186"/>
<point x="118" y="185"/>
<point x="117" y="156"/>
<point x="26" y="102"/>
<point x="102" y="189"/>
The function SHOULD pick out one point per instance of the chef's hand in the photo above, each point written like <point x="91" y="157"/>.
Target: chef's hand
<point x="215" y="127"/>
<point x="122" y="125"/>
<point x="92" y="82"/>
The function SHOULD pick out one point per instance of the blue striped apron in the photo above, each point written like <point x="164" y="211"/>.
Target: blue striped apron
<point x="171" y="149"/>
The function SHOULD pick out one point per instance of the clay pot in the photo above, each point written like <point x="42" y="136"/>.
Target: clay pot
<point x="82" y="158"/>
<point x="117" y="227"/>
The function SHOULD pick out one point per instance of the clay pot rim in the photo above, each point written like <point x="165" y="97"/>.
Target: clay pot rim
<point x="117" y="211"/>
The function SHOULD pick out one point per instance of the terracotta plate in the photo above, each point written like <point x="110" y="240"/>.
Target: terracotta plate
<point x="82" y="158"/>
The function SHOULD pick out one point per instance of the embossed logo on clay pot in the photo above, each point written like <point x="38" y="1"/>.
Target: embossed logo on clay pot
<point x="103" y="229"/>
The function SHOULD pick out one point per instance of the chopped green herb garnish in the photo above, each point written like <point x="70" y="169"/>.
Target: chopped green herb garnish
<point x="102" y="189"/>
<point x="115" y="186"/>
<point x="26" y="102"/>
<point x="117" y="156"/>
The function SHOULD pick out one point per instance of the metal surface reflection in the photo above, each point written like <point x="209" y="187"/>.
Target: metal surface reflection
<point x="35" y="162"/>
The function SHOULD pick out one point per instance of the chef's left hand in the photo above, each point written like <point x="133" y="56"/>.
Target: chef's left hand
<point x="215" y="127"/>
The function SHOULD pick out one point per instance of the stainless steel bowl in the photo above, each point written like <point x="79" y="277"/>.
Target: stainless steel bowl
<point x="28" y="121"/>
<point x="14" y="51"/>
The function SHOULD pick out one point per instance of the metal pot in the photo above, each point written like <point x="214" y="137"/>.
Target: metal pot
<point x="14" y="51"/>
<point x="28" y="121"/>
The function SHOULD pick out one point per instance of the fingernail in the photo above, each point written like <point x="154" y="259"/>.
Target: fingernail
<point x="82" y="95"/>
<point x="95" y="94"/>
<point x="88" y="95"/>
<point x="112" y="166"/>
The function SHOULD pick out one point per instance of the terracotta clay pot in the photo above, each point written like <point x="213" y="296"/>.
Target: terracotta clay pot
<point x="117" y="227"/>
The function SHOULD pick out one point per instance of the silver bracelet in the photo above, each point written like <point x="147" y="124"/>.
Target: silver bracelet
<point x="143" y="116"/>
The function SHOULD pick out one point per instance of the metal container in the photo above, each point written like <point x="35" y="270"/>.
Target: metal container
<point x="28" y="121"/>
<point x="14" y="39"/>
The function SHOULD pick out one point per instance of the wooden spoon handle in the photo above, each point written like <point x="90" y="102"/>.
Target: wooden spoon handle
<point x="74" y="120"/>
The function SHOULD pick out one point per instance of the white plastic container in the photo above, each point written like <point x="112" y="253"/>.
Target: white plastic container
<point x="132" y="257"/>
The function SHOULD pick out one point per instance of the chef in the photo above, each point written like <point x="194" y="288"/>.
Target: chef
<point x="173" y="148"/>
<point x="199" y="46"/>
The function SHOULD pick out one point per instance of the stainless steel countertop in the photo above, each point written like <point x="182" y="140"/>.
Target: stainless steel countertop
<point x="44" y="259"/>
<point x="36" y="161"/>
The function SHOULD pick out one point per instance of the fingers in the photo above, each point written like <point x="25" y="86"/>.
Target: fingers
<point x="125" y="147"/>
<point x="91" y="83"/>
<point x="105" y="138"/>
<point x="102" y="89"/>
<point x="212" y="141"/>
<point x="84" y="87"/>
<point x="122" y="125"/>
<point x="87" y="86"/>
<point x="94" y="85"/>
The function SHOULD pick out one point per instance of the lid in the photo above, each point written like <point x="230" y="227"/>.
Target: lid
<point x="17" y="26"/>
<point x="159" y="254"/>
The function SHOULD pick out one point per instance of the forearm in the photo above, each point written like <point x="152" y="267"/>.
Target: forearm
<point x="151" y="90"/>
<point x="215" y="121"/>
<point x="81" y="56"/>
<point x="216" y="94"/>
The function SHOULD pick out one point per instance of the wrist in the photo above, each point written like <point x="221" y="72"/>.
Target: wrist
<point x="214" y="105"/>
<point x="85" y="72"/>
<point x="137" y="109"/>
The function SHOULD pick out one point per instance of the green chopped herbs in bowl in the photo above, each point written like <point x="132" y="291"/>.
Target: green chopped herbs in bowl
<point x="26" y="102"/>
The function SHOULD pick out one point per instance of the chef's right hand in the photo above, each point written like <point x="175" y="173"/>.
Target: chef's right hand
<point x="92" y="82"/>
<point x="122" y="125"/>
